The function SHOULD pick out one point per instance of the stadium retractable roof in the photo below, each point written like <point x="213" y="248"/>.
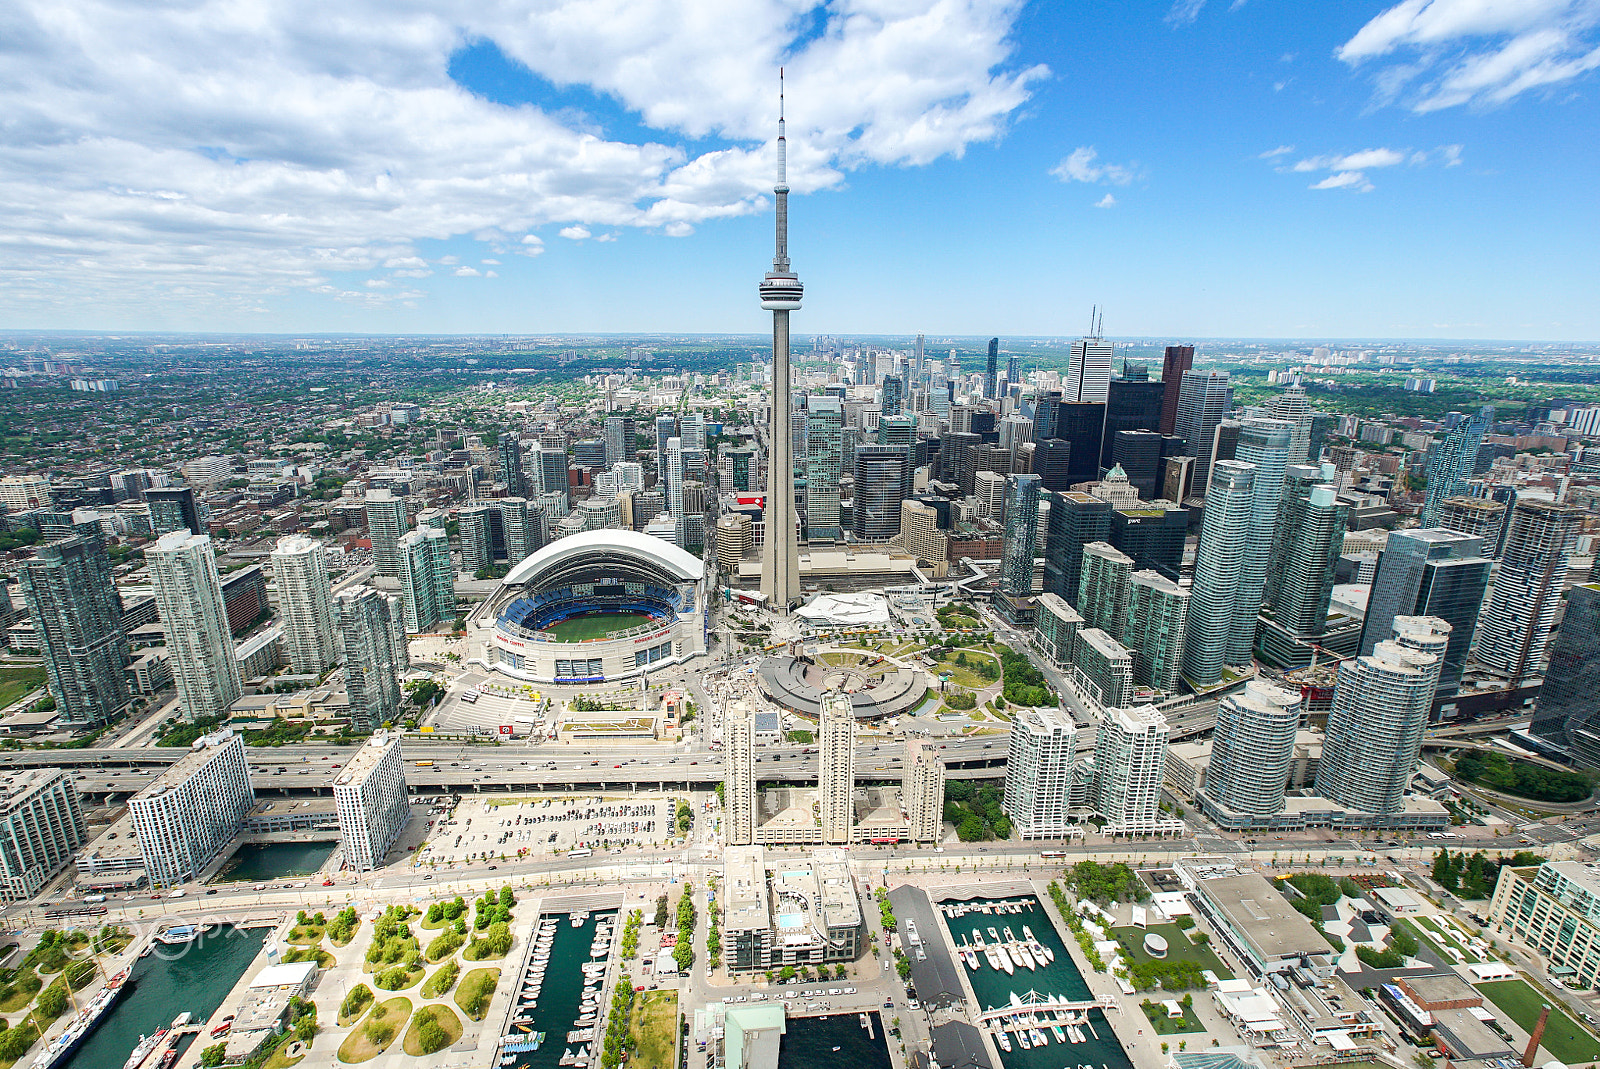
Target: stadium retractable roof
<point x="610" y="551"/>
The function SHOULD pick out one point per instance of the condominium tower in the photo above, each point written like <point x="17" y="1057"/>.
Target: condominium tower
<point x="1039" y="773"/>
<point x="305" y="599"/>
<point x="1251" y="751"/>
<point x="1515" y="627"/>
<point x="1021" y="535"/>
<point x="370" y="797"/>
<point x="1264" y="443"/>
<point x="1158" y="612"/>
<point x="189" y="598"/>
<point x="386" y="522"/>
<point x="1566" y="715"/>
<point x="77" y="615"/>
<point x="837" y="782"/>
<point x="739" y="786"/>
<point x="427" y="578"/>
<point x="1451" y="463"/>
<point x="923" y="790"/>
<point x="41" y="828"/>
<point x="194" y="809"/>
<point x="1429" y="571"/>
<point x="1224" y="535"/>
<point x="373" y="627"/>
<point x="1130" y="760"/>
<point x="1103" y="588"/>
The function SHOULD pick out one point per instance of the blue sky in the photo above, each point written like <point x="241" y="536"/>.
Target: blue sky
<point x="1255" y="168"/>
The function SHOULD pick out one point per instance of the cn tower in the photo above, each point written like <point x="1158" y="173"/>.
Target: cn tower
<point x="781" y="292"/>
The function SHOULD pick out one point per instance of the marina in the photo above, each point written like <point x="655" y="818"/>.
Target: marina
<point x="1032" y="1000"/>
<point x="554" y="1020"/>
<point x="827" y="1042"/>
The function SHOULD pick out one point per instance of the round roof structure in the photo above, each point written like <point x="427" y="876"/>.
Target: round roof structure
<point x="1155" y="944"/>
<point x="610" y="550"/>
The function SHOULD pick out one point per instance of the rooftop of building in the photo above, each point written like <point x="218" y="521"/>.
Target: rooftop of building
<point x="366" y="759"/>
<point x="19" y="785"/>
<point x="1103" y="644"/>
<point x="1255" y="909"/>
<point x="744" y="892"/>
<point x="1435" y="988"/>
<point x="204" y="751"/>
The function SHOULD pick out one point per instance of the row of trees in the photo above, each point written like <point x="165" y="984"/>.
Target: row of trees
<point x="1103" y="884"/>
<point x="683" y="953"/>
<point x="1475" y="876"/>
<point x="1500" y="773"/>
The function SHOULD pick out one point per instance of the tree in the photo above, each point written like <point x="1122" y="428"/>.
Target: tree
<point x="212" y="1056"/>
<point x="431" y="1037"/>
<point x="52" y="1000"/>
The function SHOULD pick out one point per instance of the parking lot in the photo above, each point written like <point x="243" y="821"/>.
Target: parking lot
<point x="478" y="829"/>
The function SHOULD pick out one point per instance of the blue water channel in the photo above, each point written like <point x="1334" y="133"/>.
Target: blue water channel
<point x="556" y="1012"/>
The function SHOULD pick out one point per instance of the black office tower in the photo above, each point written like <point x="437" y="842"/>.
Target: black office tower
<point x="1131" y="405"/>
<point x="992" y="370"/>
<point x="1153" y="537"/>
<point x="1052" y="463"/>
<point x="1139" y="454"/>
<point x="1076" y="519"/>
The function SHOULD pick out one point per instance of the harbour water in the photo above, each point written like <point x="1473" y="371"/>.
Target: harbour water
<point x="193" y="976"/>
<point x="829" y="1042"/>
<point x="262" y="862"/>
<point x="1059" y="978"/>
<point x="557" y="1011"/>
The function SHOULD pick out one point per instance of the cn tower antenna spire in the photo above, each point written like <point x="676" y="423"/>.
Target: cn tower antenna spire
<point x="780" y="293"/>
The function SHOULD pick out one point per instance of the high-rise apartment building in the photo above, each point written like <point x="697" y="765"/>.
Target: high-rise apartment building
<point x="1021" y="533"/>
<point x="1076" y="519"/>
<point x="824" y="457"/>
<point x="386" y="522"/>
<point x="1130" y="759"/>
<point x="992" y="369"/>
<point x="1306" y="548"/>
<point x="733" y="541"/>
<point x="552" y="467"/>
<point x="1224" y="536"/>
<point x="77" y="616"/>
<point x="1264" y="443"/>
<point x="620" y="439"/>
<point x="427" y="578"/>
<point x="1158" y="612"/>
<point x="923" y="790"/>
<point x="370" y="797"/>
<point x="1514" y="629"/>
<point x="1292" y="407"/>
<point x="739" y="777"/>
<point x="1429" y="571"/>
<point x="836" y="783"/>
<point x="41" y="827"/>
<point x="509" y="448"/>
<point x="173" y="508"/>
<point x="1103" y="668"/>
<point x="305" y="601"/>
<point x="1566" y="715"/>
<point x="1177" y="360"/>
<point x="1450" y="464"/>
<point x="1480" y="517"/>
<point x="477" y="537"/>
<point x="1251" y="752"/>
<point x="1203" y="400"/>
<point x="1103" y="588"/>
<point x="692" y="429"/>
<point x="882" y="479"/>
<point x="521" y="529"/>
<point x="894" y="395"/>
<point x="1040" y="766"/>
<point x="1088" y="376"/>
<point x="200" y="644"/>
<point x="193" y="810"/>
<point x="1375" y="725"/>
<point x="919" y="530"/>
<point x="373" y="628"/>
<point x="666" y="427"/>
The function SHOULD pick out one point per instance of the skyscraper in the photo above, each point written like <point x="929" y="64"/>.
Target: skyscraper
<point x="189" y="597"/>
<point x="666" y="427"/>
<point x="1375" y="727"/>
<point x="882" y="478"/>
<point x="1178" y="359"/>
<point x="192" y="810"/>
<point x="1158" y="611"/>
<point x="1250" y="755"/>
<point x="1306" y="548"/>
<point x="1130" y="760"/>
<point x="1566" y="715"/>
<point x="1039" y="773"/>
<point x="1515" y="627"/>
<point x="672" y="480"/>
<point x="522" y="531"/>
<point x="1103" y="668"/>
<point x="78" y="617"/>
<point x="1480" y="517"/>
<point x="824" y="460"/>
<point x="1103" y="588"/>
<point x="1264" y="443"/>
<point x="894" y="395"/>
<point x="173" y="508"/>
<point x="41" y="828"/>
<point x="477" y="539"/>
<point x="509" y="446"/>
<point x="836" y="783"/>
<point x="1076" y="519"/>
<point x="373" y="628"/>
<point x="1429" y="571"/>
<point x="739" y="784"/>
<point x="1088" y="376"/>
<point x="1022" y="521"/>
<point x="427" y="578"/>
<point x="1292" y="407"/>
<point x="305" y="598"/>
<point x="991" y="369"/>
<point x="923" y="790"/>
<point x="1131" y="405"/>
<point x="1224" y="536"/>
<point x="386" y="522"/>
<point x="552" y="468"/>
<point x="620" y="437"/>
<point x="369" y="794"/>
<point x="1203" y="398"/>
<point x="1450" y="463"/>
<point x="780" y="292"/>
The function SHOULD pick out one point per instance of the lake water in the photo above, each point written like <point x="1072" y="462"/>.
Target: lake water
<point x="261" y="862"/>
<point x="562" y="991"/>
<point x="195" y="976"/>
<point x="1059" y="978"/>
<point x="833" y="1041"/>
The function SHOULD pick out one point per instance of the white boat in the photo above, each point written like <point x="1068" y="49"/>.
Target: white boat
<point x="1003" y="1040"/>
<point x="994" y="936"/>
<point x="1055" y="1030"/>
<point x="174" y="934"/>
<point x="180" y="1021"/>
<point x="1022" y="1039"/>
<point x="146" y="1047"/>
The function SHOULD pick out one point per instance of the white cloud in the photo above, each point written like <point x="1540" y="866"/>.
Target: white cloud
<point x="677" y="230"/>
<point x="491" y="274"/>
<point x="206" y="153"/>
<point x="607" y="237"/>
<point x="575" y="233"/>
<point x="1107" y="201"/>
<point x="1274" y="153"/>
<point x="495" y="263"/>
<point x="1083" y="166"/>
<point x="1352" y="180"/>
<point x="1477" y="52"/>
<point x="532" y="239"/>
<point x="1184" y="12"/>
<point x="1356" y="161"/>
<point x="467" y="272"/>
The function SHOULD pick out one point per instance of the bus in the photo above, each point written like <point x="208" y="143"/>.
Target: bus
<point x="75" y="911"/>
<point x="580" y="852"/>
<point x="424" y="764"/>
<point x="470" y="697"/>
<point x="1052" y="855"/>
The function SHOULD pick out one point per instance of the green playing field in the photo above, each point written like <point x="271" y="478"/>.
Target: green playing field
<point x="594" y="625"/>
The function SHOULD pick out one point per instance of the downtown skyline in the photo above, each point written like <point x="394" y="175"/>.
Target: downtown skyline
<point x="1411" y="170"/>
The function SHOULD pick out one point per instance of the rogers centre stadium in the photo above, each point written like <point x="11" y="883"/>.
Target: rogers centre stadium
<point x="595" y="607"/>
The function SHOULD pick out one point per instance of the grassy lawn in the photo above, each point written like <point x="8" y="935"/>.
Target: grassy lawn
<point x="15" y="682"/>
<point x="1179" y="948"/>
<point x="306" y="934"/>
<point x="471" y="985"/>
<point x="442" y="980"/>
<point x="346" y="1020"/>
<point x="359" y="1045"/>
<point x="1156" y="1014"/>
<point x="443" y="1016"/>
<point x="323" y="959"/>
<point x="1438" y="934"/>
<point x="20" y="991"/>
<point x="388" y="979"/>
<point x="655" y="1031"/>
<point x="1563" y="1038"/>
<point x="280" y="1058"/>
<point x="594" y="625"/>
<point x="963" y="675"/>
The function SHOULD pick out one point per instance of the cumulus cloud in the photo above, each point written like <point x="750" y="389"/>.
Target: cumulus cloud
<point x="1107" y="201"/>
<point x="225" y="151"/>
<point x="1351" y="180"/>
<point x="1434" y="54"/>
<point x="575" y="233"/>
<point x="467" y="272"/>
<point x="1349" y="170"/>
<point x="1083" y="165"/>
